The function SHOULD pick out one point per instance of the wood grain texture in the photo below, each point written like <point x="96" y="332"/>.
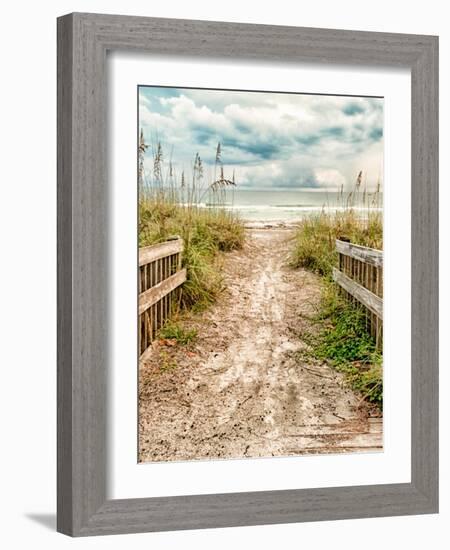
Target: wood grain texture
<point x="425" y="272"/>
<point x="362" y="253"/>
<point x="83" y="251"/>
<point x="83" y="286"/>
<point x="360" y="276"/>
<point x="64" y="274"/>
<point x="256" y="508"/>
<point x="157" y="292"/>
<point x="154" y="252"/>
<point x="370" y="300"/>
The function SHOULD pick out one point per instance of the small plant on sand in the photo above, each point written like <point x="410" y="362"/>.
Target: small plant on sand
<point x="167" y="363"/>
<point x="174" y="331"/>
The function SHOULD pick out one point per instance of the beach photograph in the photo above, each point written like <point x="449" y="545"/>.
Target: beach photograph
<point x="260" y="274"/>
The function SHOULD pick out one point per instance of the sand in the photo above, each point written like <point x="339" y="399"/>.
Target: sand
<point x="240" y="390"/>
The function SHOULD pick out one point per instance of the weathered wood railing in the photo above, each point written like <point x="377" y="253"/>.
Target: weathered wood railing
<point x="360" y="276"/>
<point x="160" y="277"/>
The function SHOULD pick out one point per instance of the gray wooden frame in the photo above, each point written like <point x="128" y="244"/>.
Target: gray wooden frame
<point x="83" y="41"/>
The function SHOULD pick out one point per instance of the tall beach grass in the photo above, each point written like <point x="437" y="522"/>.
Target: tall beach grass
<point x="169" y="206"/>
<point x="315" y="239"/>
<point x="342" y="337"/>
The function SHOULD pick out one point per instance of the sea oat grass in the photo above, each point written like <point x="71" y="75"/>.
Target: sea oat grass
<point x="315" y="240"/>
<point x="206" y="233"/>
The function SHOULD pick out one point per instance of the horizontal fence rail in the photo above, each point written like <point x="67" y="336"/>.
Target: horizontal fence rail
<point x="160" y="280"/>
<point x="360" y="277"/>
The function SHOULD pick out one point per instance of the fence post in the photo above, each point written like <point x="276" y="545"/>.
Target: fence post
<point x="360" y="278"/>
<point x="160" y="278"/>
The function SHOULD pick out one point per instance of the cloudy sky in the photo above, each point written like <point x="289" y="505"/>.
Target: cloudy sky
<point x="271" y="140"/>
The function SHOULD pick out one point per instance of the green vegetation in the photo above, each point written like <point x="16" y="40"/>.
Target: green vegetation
<point x="174" y="331"/>
<point x="206" y="233"/>
<point x="166" y="362"/>
<point x="171" y="205"/>
<point x="315" y="240"/>
<point x="343" y="339"/>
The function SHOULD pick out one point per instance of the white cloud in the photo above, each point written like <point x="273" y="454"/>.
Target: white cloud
<point x="269" y="139"/>
<point x="329" y="178"/>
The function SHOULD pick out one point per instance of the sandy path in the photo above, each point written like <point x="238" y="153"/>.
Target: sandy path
<point x="240" y="391"/>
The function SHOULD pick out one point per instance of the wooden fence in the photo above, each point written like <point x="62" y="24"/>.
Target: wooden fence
<point x="160" y="277"/>
<point x="360" y="276"/>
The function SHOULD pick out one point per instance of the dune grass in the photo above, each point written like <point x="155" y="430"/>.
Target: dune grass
<point x="206" y="233"/>
<point x="172" y="204"/>
<point x="343" y="339"/>
<point x="315" y="240"/>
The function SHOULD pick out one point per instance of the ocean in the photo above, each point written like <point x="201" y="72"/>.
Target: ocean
<point x="284" y="206"/>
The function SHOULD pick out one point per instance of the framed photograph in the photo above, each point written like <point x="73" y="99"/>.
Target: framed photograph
<point x="247" y="274"/>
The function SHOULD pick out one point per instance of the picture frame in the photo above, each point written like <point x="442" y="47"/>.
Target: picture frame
<point x="83" y="211"/>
